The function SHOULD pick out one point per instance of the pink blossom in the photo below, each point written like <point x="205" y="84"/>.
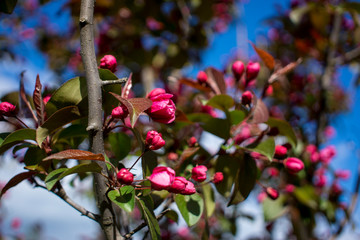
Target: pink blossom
<point x="202" y="77"/>
<point x="315" y="157"/>
<point x="342" y="174"/>
<point x="329" y="132"/>
<point x="238" y="69"/>
<point x="7" y="109"/>
<point x="120" y="112"/>
<point x="218" y="177"/>
<point x="246" y="98"/>
<point x="209" y="110"/>
<point x="252" y="70"/>
<point x="172" y="156"/>
<point x="178" y="185"/>
<point x="198" y="173"/>
<point x="108" y="62"/>
<point x="162" y="178"/>
<point x="311" y="148"/>
<point x="192" y="141"/>
<point x="46" y="99"/>
<point x="244" y="134"/>
<point x="289" y="188"/>
<point x="163" y="108"/>
<point x="261" y="197"/>
<point x="154" y="140"/>
<point x="273" y="172"/>
<point x="320" y="181"/>
<point x="294" y="165"/>
<point x="327" y="154"/>
<point x="280" y="151"/>
<point x="124" y="176"/>
<point x="15" y="223"/>
<point x="272" y="193"/>
<point x="189" y="189"/>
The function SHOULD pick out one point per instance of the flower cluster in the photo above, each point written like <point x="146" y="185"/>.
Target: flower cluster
<point x="163" y="108"/>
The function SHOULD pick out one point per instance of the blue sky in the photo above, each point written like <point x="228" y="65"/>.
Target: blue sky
<point x="62" y="222"/>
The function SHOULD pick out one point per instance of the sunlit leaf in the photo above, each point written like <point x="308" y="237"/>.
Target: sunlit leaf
<point x="191" y="207"/>
<point x="222" y="102"/>
<point x="17" y="137"/>
<point x="297" y="14"/>
<point x="172" y="215"/>
<point x="124" y="198"/>
<point x="209" y="199"/>
<point x="307" y="196"/>
<point x="284" y="128"/>
<point x="265" y="147"/>
<point x="274" y="209"/>
<point x="265" y="56"/>
<point x="150" y="219"/>
<point x="60" y="173"/>
<point x="237" y="116"/>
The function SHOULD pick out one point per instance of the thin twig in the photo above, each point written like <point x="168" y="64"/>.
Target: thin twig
<point x="117" y="81"/>
<point x="347" y="57"/>
<point x="142" y="225"/>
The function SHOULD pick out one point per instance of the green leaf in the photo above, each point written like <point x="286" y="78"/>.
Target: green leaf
<point x="172" y="215"/>
<point x="191" y="207"/>
<point x="148" y="163"/>
<point x="3" y="136"/>
<point x="53" y="178"/>
<point x="209" y="199"/>
<point x="16" y="180"/>
<point x="71" y="93"/>
<point x="273" y="209"/>
<point x="124" y="198"/>
<point x="266" y="148"/>
<point x="76" y="130"/>
<point x="217" y="126"/>
<point x="222" y="102"/>
<point x="58" y="119"/>
<point x="16" y="137"/>
<point x="120" y="144"/>
<point x="307" y="196"/>
<point x="285" y="129"/>
<point x="150" y="219"/>
<point x="34" y="155"/>
<point x="106" y="74"/>
<point x="237" y="117"/>
<point x="229" y="166"/>
<point x="245" y="180"/>
<point x="7" y="6"/>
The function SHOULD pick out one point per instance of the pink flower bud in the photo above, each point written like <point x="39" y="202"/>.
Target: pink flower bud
<point x="178" y="185"/>
<point x="294" y="165"/>
<point x="329" y="132"/>
<point x="201" y="77"/>
<point x="46" y="99"/>
<point x="162" y="178"/>
<point x="189" y="189"/>
<point x="342" y="174"/>
<point x="218" y="177"/>
<point x="7" y="109"/>
<point x="289" y="188"/>
<point x="261" y="197"/>
<point x="246" y="98"/>
<point x="15" y="223"/>
<point x="336" y="189"/>
<point x="269" y="91"/>
<point x="192" y="141"/>
<point x="311" y="148"/>
<point x="172" y="156"/>
<point x="124" y="176"/>
<point x="320" y="181"/>
<point x="272" y="193"/>
<point x="108" y="62"/>
<point x="154" y="140"/>
<point x="280" y="151"/>
<point x="209" y="110"/>
<point x="244" y="134"/>
<point x="198" y="173"/>
<point x="327" y="154"/>
<point x="274" y="172"/>
<point x="252" y="70"/>
<point x="120" y="112"/>
<point x="315" y="157"/>
<point x="238" y="69"/>
<point x="163" y="108"/>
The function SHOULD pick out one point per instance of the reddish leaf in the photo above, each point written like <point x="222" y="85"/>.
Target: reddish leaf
<point x="194" y="84"/>
<point x="181" y="116"/>
<point x="265" y="56"/>
<point x="75" y="154"/>
<point x="188" y="153"/>
<point x="38" y="102"/>
<point x="284" y="70"/>
<point x="126" y="90"/>
<point x="216" y="80"/>
<point x="135" y="106"/>
<point x="16" y="180"/>
<point x="260" y="112"/>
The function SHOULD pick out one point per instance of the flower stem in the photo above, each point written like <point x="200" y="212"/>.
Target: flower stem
<point x="137" y="160"/>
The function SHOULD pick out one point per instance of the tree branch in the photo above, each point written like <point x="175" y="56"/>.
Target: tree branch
<point x="117" y="81"/>
<point x="347" y="57"/>
<point x="107" y="220"/>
